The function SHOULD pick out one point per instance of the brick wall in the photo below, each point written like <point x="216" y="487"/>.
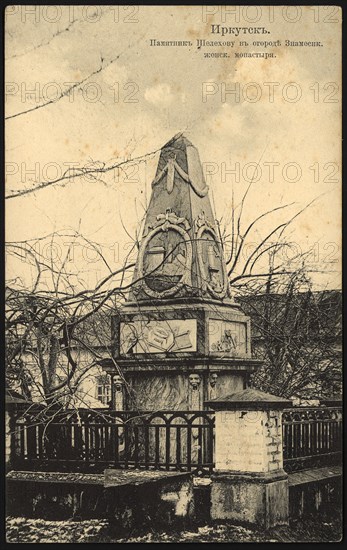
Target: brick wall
<point x="249" y="441"/>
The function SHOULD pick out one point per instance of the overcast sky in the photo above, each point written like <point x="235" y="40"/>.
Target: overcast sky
<point x="147" y="94"/>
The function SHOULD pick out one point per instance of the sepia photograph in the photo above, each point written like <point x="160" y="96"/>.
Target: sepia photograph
<point x="173" y="274"/>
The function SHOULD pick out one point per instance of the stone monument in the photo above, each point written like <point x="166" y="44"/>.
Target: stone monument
<point x="179" y="339"/>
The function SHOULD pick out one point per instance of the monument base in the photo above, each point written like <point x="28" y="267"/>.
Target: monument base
<point x="258" y="499"/>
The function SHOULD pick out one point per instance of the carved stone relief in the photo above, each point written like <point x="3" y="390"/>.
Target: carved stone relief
<point x="165" y="256"/>
<point x="169" y="170"/>
<point x="210" y="258"/>
<point x="194" y="392"/>
<point x="213" y="386"/>
<point x="118" y="389"/>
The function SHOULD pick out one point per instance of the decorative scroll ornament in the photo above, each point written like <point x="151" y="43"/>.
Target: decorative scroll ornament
<point x="210" y="258"/>
<point x="170" y="169"/>
<point x="169" y="218"/>
<point x="202" y="221"/>
<point x="173" y="262"/>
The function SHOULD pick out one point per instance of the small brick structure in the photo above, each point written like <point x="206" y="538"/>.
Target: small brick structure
<point x="249" y="484"/>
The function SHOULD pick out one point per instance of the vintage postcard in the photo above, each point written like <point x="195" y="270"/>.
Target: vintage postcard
<point x="173" y="273"/>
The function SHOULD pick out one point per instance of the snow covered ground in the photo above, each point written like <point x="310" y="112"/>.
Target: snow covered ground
<point x="26" y="530"/>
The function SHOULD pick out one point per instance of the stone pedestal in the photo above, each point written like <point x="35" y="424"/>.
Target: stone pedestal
<point x="176" y="355"/>
<point x="249" y="484"/>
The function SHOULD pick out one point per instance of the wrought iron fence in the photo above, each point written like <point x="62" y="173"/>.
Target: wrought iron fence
<point x="312" y="437"/>
<point x="91" y="440"/>
<point x="88" y="440"/>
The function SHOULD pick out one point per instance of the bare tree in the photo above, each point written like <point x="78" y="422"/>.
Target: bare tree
<point x="54" y="333"/>
<point x="297" y="335"/>
<point x="296" y="331"/>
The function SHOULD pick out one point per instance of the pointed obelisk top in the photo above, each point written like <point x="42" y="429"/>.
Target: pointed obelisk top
<point x="181" y="159"/>
<point x="180" y="252"/>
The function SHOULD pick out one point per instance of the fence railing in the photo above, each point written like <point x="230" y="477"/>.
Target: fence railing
<point x="91" y="440"/>
<point x="312" y="437"/>
<point x="94" y="440"/>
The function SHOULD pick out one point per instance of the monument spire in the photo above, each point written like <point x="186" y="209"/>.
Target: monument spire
<point x="180" y="252"/>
